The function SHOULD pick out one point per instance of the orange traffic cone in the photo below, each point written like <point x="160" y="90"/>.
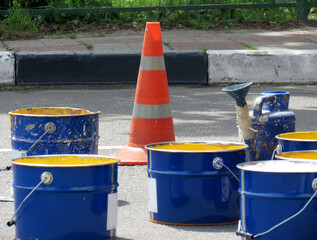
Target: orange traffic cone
<point x="152" y="115"/>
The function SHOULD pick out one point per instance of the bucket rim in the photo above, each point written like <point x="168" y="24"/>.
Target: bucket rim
<point x="297" y="152"/>
<point x="150" y="146"/>
<point x="14" y="162"/>
<point x="282" y="137"/>
<point x="15" y="113"/>
<point x="243" y="166"/>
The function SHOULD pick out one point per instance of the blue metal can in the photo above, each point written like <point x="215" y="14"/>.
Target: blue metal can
<point x="46" y="131"/>
<point x="186" y="188"/>
<point x="279" y="102"/>
<point x="78" y="202"/>
<point x="278" y="200"/>
<point x="297" y="141"/>
<point x="270" y="122"/>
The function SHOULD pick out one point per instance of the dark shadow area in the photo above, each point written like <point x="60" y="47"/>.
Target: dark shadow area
<point x="122" y="203"/>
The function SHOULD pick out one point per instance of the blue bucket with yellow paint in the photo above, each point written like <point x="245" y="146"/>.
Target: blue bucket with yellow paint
<point x="187" y="186"/>
<point x="46" y="131"/>
<point x="298" y="155"/>
<point x="278" y="200"/>
<point x="63" y="197"/>
<point x="297" y="141"/>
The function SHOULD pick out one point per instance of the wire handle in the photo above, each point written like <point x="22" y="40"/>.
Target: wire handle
<point x="240" y="232"/>
<point x="218" y="163"/>
<point x="49" y="128"/>
<point x="277" y="150"/>
<point x="46" y="178"/>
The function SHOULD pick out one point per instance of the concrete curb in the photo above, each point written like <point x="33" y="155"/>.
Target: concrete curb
<point x="183" y="67"/>
<point x="7" y="74"/>
<point x="284" y="66"/>
<point x="106" y="67"/>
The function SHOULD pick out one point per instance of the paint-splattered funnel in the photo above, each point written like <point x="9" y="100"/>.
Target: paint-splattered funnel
<point x="54" y="130"/>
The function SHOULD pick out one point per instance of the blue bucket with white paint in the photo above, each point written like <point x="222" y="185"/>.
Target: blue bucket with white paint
<point x="278" y="200"/>
<point x="63" y="197"/>
<point x="46" y="131"/>
<point x="188" y="186"/>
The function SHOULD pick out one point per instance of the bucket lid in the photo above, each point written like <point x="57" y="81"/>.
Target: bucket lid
<point x="280" y="166"/>
<point x="68" y="160"/>
<point x="196" y="147"/>
<point x="298" y="136"/>
<point x="52" y="112"/>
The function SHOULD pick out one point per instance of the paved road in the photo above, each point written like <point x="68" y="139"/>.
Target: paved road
<point x="199" y="113"/>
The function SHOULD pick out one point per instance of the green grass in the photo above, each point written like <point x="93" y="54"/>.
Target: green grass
<point x="72" y="36"/>
<point x="89" y="46"/>
<point x="18" y="20"/>
<point x="251" y="47"/>
<point x="167" y="44"/>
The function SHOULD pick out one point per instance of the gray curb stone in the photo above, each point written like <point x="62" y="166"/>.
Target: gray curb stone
<point x="104" y="67"/>
<point x="289" y="66"/>
<point x="7" y="68"/>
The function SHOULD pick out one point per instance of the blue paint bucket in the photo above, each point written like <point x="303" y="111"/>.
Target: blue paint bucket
<point x="297" y="141"/>
<point x="78" y="201"/>
<point x="278" y="200"/>
<point x="46" y="131"/>
<point x="184" y="186"/>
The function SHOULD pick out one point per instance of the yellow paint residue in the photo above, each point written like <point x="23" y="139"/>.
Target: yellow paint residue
<point x="66" y="160"/>
<point x="198" y="146"/>
<point x="299" y="135"/>
<point x="51" y="111"/>
<point x="312" y="155"/>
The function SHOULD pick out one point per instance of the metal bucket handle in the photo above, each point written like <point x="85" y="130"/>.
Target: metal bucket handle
<point x="277" y="150"/>
<point x="49" y="128"/>
<point x="258" y="104"/>
<point x="241" y="233"/>
<point x="47" y="179"/>
<point x="218" y="163"/>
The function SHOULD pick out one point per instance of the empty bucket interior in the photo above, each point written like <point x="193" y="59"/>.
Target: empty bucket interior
<point x="66" y="160"/>
<point x="203" y="147"/>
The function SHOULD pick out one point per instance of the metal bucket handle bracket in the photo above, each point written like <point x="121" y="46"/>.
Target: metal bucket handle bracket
<point x="47" y="179"/>
<point x="258" y="104"/>
<point x="241" y="233"/>
<point x="218" y="163"/>
<point x="49" y="128"/>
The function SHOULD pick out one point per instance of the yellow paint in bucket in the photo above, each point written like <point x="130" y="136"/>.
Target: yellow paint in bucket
<point x="66" y="160"/>
<point x="51" y="111"/>
<point x="310" y="136"/>
<point x="201" y="147"/>
<point x="303" y="155"/>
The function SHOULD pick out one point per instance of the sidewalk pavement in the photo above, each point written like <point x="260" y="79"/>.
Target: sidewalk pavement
<point x="125" y="40"/>
<point x="191" y="57"/>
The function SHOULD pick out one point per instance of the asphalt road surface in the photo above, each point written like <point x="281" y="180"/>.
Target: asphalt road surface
<point x="200" y="113"/>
